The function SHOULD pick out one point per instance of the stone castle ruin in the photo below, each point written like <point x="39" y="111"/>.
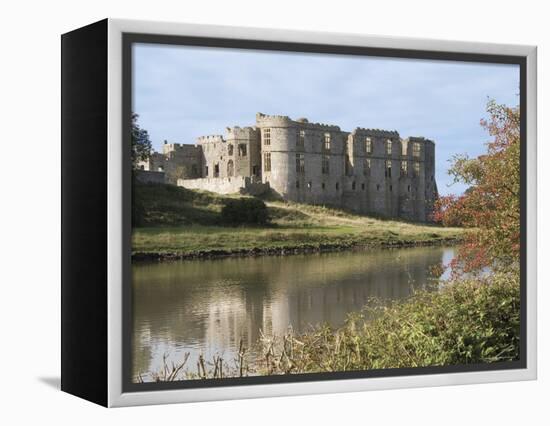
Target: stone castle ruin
<point x="368" y="171"/>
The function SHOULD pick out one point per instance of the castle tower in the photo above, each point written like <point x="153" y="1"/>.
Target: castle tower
<point x="302" y="161"/>
<point x="376" y="156"/>
<point x="244" y="146"/>
<point x="214" y="156"/>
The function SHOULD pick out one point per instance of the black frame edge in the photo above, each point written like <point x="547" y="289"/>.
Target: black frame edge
<point x="84" y="212"/>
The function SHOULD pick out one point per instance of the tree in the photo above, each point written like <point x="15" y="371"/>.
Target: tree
<point x="490" y="208"/>
<point x="179" y="172"/>
<point x="141" y="144"/>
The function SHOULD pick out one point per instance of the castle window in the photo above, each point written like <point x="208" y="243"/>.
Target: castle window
<point x="368" y="146"/>
<point x="230" y="168"/>
<point x="309" y="185"/>
<point x="388" y="147"/>
<point x="416" y="149"/>
<point x="378" y="187"/>
<point x="297" y="184"/>
<point x="300" y="164"/>
<point x="323" y="185"/>
<point x="267" y="162"/>
<point x="391" y="187"/>
<point x="206" y="171"/>
<point x="267" y="136"/>
<point x="216" y="170"/>
<point x="326" y="144"/>
<point x="408" y="188"/>
<point x="242" y="150"/>
<point x="363" y="186"/>
<point x="388" y="169"/>
<point x="230" y="149"/>
<point x="300" y="139"/>
<point x="366" y="167"/>
<point x="337" y="186"/>
<point x="325" y="165"/>
<point x="404" y="166"/>
<point x="353" y="185"/>
<point x="416" y="168"/>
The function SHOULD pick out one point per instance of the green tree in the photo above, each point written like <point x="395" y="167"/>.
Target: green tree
<point x="491" y="205"/>
<point x="141" y="143"/>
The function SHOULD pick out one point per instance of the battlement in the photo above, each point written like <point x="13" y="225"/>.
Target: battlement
<point x="178" y="147"/>
<point x="265" y="120"/>
<point x="210" y="139"/>
<point x="237" y="132"/>
<point x="361" y="131"/>
<point x="420" y="139"/>
<point x="320" y="126"/>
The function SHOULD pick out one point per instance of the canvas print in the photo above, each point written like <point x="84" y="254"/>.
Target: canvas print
<point x="297" y="214"/>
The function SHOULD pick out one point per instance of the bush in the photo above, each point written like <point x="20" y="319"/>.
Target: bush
<point x="245" y="211"/>
<point x="469" y="321"/>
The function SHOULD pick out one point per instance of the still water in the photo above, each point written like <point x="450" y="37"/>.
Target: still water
<point x="208" y="306"/>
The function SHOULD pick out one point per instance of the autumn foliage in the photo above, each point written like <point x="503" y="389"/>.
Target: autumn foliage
<point x="490" y="206"/>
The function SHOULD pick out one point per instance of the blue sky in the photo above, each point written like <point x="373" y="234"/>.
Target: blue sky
<point x="181" y="93"/>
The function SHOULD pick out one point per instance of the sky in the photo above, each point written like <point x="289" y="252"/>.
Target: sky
<point x="183" y="92"/>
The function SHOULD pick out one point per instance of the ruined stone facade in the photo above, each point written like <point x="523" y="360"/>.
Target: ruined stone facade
<point x="367" y="171"/>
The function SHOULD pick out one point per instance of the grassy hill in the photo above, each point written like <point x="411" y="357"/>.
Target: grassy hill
<point x="178" y="222"/>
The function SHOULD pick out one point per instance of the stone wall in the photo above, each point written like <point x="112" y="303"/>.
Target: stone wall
<point x="177" y="161"/>
<point x="148" y="176"/>
<point x="226" y="185"/>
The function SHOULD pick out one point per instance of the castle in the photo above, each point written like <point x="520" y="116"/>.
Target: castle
<point x="368" y="171"/>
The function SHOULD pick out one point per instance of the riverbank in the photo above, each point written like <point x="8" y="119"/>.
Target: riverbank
<point x="185" y="224"/>
<point x="287" y="250"/>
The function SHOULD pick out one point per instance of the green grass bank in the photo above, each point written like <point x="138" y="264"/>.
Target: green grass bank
<point x="178" y="223"/>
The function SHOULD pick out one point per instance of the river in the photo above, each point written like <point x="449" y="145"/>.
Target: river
<point x="208" y="306"/>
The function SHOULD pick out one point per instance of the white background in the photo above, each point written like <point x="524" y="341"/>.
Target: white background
<point x="30" y="210"/>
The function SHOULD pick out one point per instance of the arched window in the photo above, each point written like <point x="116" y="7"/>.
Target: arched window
<point x="230" y="168"/>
